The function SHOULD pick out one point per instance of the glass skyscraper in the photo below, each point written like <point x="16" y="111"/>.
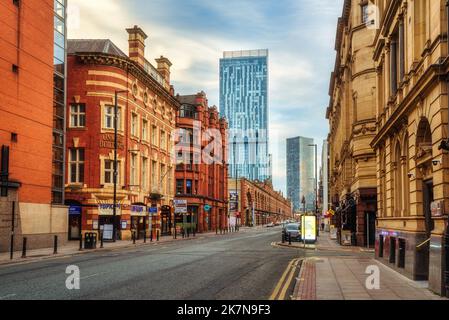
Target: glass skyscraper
<point x="244" y="103"/>
<point x="300" y="173"/>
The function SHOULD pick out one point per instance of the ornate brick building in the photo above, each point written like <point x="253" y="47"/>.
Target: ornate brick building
<point x="352" y="118"/>
<point x="257" y="203"/>
<point x="32" y="102"/>
<point x="146" y="120"/>
<point x="202" y="184"/>
<point x="411" y="57"/>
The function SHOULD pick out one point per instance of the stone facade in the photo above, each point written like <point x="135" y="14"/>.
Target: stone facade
<point x="200" y="183"/>
<point x="352" y="118"/>
<point x="146" y="121"/>
<point x="267" y="204"/>
<point x="411" y="59"/>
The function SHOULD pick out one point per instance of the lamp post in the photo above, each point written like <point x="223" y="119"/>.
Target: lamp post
<point x="316" y="186"/>
<point x="114" y="209"/>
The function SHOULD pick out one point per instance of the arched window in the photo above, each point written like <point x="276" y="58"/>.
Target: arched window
<point x="383" y="183"/>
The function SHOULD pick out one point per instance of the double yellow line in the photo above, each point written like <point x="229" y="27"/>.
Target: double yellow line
<point x="284" y="283"/>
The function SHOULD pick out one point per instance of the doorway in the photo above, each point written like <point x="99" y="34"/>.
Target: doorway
<point x="166" y="221"/>
<point x="370" y="229"/>
<point x="393" y="250"/>
<point x="424" y="250"/>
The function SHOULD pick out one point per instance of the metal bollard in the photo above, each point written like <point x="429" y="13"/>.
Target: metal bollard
<point x="24" y="248"/>
<point x="145" y="236"/>
<point x="283" y="238"/>
<point x="157" y="235"/>
<point x="55" y="245"/>
<point x="134" y="237"/>
<point x="81" y="241"/>
<point x="175" y="233"/>
<point x="101" y="239"/>
<point x="289" y="239"/>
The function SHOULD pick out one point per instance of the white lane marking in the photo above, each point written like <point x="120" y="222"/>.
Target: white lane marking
<point x="92" y="275"/>
<point x="8" y="296"/>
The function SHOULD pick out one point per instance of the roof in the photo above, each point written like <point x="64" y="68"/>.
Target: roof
<point x="189" y="99"/>
<point x="93" y="45"/>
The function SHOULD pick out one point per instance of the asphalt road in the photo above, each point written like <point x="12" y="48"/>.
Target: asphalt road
<point x="236" y="266"/>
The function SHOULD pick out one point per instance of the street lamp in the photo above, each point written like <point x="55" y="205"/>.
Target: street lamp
<point x="114" y="209"/>
<point x="316" y="183"/>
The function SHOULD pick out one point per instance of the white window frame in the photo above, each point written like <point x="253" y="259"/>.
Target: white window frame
<point x="77" y="115"/>
<point x="145" y="130"/>
<point x="144" y="174"/>
<point x="110" y="115"/>
<point x="134" y="124"/>
<point x="77" y="162"/>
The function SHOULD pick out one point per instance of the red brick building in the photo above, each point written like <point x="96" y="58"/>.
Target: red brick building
<point x="202" y="184"/>
<point x="146" y="119"/>
<point x="257" y="203"/>
<point x="32" y="55"/>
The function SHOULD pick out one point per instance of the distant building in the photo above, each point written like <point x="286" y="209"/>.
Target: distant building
<point x="244" y="103"/>
<point x="202" y="185"/>
<point x="32" y="104"/>
<point x="300" y="173"/>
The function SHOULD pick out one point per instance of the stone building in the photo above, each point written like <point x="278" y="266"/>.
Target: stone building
<point x="411" y="60"/>
<point x="97" y="70"/>
<point x="256" y="203"/>
<point x="200" y="182"/>
<point x="32" y="103"/>
<point x="352" y="118"/>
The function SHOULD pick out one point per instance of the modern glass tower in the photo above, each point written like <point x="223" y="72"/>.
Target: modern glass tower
<point x="244" y="103"/>
<point x="300" y="173"/>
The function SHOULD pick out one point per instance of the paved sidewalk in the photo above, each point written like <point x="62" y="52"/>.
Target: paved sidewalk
<point x="72" y="248"/>
<point x="343" y="278"/>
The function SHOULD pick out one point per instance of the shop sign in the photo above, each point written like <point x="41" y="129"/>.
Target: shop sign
<point x="233" y="196"/>
<point x="108" y="209"/>
<point x="152" y="210"/>
<point x="108" y="230"/>
<point x="180" y="206"/>
<point x="207" y="207"/>
<point x="95" y="224"/>
<point x="75" y="210"/>
<point x="138" y="210"/>
<point x="124" y="224"/>
<point x="437" y="208"/>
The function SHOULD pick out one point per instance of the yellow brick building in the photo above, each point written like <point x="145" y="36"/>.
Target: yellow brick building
<point x="411" y="59"/>
<point x="352" y="119"/>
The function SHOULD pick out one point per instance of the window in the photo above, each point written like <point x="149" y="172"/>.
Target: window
<point x="145" y="130"/>
<point x="76" y="165"/>
<point x="109" y="117"/>
<point x="144" y="173"/>
<point x="188" y="111"/>
<point x="77" y="115"/>
<point x="154" y="135"/>
<point x="154" y="174"/>
<point x="188" y="186"/>
<point x="134" y="125"/>
<point x="365" y="13"/>
<point x="109" y="172"/>
<point x="163" y="179"/>
<point x="163" y="140"/>
<point x="133" y="169"/>
<point x="179" y="186"/>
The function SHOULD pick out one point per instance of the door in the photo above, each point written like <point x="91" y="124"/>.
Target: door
<point x="74" y="227"/>
<point x="370" y="229"/>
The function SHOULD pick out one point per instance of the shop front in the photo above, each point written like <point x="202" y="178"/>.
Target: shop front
<point x="166" y="221"/>
<point x="139" y="220"/>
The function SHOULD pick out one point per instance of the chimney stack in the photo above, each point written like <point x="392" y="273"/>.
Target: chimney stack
<point x="137" y="45"/>
<point x="163" y="67"/>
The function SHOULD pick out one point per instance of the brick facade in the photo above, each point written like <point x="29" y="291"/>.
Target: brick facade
<point x="201" y="184"/>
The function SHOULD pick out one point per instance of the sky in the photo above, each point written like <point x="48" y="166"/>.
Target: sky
<point x="300" y="35"/>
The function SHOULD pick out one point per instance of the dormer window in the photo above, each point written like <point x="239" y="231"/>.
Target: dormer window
<point x="188" y="111"/>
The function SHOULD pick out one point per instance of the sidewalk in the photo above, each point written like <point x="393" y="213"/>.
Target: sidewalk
<point x="72" y="248"/>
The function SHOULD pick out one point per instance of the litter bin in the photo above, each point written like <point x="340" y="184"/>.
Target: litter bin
<point x="90" y="240"/>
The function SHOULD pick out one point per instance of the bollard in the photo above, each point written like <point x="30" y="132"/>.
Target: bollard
<point x="145" y="236"/>
<point x="134" y="237"/>
<point x="81" y="241"/>
<point x="157" y="235"/>
<point x="283" y="238"/>
<point x="216" y="230"/>
<point x="55" y="245"/>
<point x="289" y="239"/>
<point x="175" y="233"/>
<point x="101" y="239"/>
<point x="24" y="248"/>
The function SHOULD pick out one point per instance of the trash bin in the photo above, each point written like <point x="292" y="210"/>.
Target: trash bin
<point x="90" y="240"/>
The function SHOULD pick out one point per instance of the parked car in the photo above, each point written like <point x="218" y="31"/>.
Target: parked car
<point x="270" y="225"/>
<point x="292" y="229"/>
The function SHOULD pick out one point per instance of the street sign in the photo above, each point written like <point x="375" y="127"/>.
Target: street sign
<point x="308" y="228"/>
<point x="152" y="209"/>
<point x="207" y="207"/>
<point x="74" y="210"/>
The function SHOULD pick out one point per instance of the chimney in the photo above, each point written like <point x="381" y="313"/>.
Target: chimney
<point x="137" y="45"/>
<point x="163" y="67"/>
